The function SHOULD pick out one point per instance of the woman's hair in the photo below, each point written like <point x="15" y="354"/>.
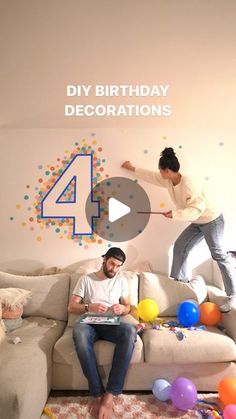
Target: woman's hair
<point x="168" y="160"/>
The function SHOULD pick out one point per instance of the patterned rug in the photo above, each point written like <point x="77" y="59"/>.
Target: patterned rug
<point x="128" y="406"/>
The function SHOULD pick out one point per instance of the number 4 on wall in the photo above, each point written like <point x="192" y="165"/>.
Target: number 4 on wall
<point x="78" y="176"/>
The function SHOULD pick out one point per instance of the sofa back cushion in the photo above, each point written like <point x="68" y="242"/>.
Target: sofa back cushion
<point x="49" y="293"/>
<point x="169" y="293"/>
<point x="132" y="279"/>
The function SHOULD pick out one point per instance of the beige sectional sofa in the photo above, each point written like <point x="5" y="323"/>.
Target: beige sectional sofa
<point x="45" y="358"/>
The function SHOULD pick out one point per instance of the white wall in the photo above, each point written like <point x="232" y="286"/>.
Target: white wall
<point x="47" y="45"/>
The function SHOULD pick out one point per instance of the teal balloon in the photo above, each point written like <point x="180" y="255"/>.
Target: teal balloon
<point x="161" y="389"/>
<point x="188" y="313"/>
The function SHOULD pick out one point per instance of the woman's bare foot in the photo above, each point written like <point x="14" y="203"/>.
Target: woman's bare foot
<point x="106" y="407"/>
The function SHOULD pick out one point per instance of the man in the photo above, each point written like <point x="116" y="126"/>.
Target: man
<point x="99" y="292"/>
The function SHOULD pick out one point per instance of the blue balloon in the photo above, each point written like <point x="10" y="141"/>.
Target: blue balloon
<point x="161" y="389"/>
<point x="188" y="313"/>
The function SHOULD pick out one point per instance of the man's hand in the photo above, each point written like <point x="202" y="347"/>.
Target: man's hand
<point x="117" y="309"/>
<point x="168" y="214"/>
<point x="97" y="308"/>
<point x="127" y="165"/>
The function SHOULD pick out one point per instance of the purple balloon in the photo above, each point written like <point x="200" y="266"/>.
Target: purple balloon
<point x="183" y="393"/>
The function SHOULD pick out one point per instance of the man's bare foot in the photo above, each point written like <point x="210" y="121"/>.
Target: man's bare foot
<point x="95" y="405"/>
<point x="106" y="407"/>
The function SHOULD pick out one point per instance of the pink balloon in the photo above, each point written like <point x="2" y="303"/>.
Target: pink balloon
<point x="230" y="411"/>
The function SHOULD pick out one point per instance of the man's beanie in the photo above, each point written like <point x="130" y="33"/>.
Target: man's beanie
<point x="115" y="252"/>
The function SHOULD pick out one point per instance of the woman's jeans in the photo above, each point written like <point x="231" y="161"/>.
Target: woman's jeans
<point x="123" y="335"/>
<point x="213" y="233"/>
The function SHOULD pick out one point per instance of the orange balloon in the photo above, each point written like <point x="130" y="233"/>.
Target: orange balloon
<point x="227" y="390"/>
<point x="209" y="314"/>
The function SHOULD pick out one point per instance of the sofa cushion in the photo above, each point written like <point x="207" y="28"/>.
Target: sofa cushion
<point x="132" y="279"/>
<point x="49" y="293"/>
<point x="169" y="293"/>
<point x="211" y="345"/>
<point x="64" y="351"/>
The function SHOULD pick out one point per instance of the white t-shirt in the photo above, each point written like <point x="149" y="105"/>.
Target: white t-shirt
<point x="105" y="291"/>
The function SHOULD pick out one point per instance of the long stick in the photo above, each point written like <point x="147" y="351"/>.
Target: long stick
<point x="150" y="212"/>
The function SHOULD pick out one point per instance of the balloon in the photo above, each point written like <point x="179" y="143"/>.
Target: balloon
<point x="188" y="313"/>
<point x="209" y="314"/>
<point x="161" y="389"/>
<point x="229" y="411"/>
<point x="148" y="310"/>
<point x="227" y="390"/>
<point x="183" y="393"/>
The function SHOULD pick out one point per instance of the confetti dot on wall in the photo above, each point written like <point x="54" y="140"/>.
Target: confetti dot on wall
<point x="162" y="205"/>
<point x="164" y="137"/>
<point x="180" y="146"/>
<point x="11" y="218"/>
<point x="207" y="178"/>
<point x="221" y="143"/>
<point x="26" y="197"/>
<point x="18" y="206"/>
<point x="39" y="238"/>
<point x="40" y="167"/>
<point x="145" y="151"/>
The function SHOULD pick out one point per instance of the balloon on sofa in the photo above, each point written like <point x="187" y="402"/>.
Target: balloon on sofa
<point x="148" y="310"/>
<point x="188" y="313"/>
<point x="183" y="393"/>
<point x="209" y="313"/>
<point x="161" y="389"/>
<point x="227" y="390"/>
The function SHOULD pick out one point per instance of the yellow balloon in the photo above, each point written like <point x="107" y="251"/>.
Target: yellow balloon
<point x="148" y="310"/>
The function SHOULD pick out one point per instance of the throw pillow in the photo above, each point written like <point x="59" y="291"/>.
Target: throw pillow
<point x="49" y="293"/>
<point x="12" y="301"/>
<point x="13" y="298"/>
<point x="2" y="327"/>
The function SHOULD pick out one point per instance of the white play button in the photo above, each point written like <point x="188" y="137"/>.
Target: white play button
<point x="116" y="210"/>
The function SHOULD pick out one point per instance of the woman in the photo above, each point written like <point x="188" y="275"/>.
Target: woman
<point x="206" y="222"/>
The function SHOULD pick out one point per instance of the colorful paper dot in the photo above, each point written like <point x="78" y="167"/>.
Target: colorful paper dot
<point x="145" y="151"/>
<point x="26" y="197"/>
<point x="39" y="238"/>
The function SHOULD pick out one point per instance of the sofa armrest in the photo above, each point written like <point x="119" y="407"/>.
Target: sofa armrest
<point x="228" y="320"/>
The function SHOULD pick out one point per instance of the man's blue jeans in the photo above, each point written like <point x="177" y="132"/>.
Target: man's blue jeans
<point x="213" y="233"/>
<point x="123" y="335"/>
